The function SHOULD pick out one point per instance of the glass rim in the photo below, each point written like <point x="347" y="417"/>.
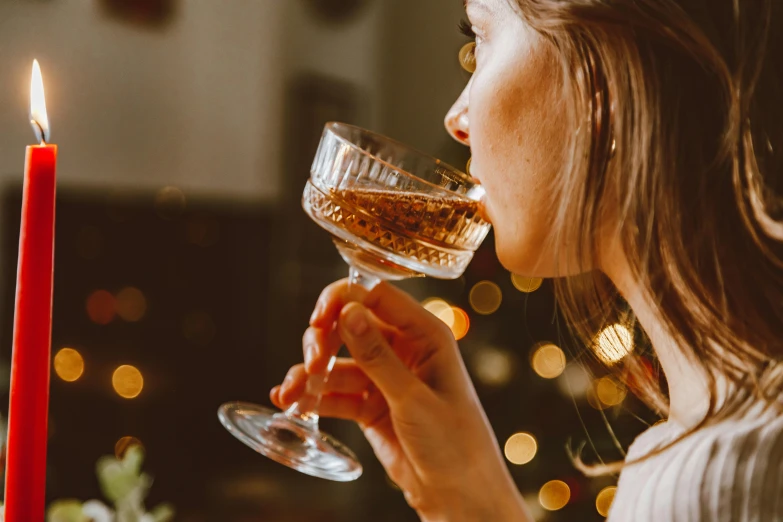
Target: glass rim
<point x="469" y="181"/>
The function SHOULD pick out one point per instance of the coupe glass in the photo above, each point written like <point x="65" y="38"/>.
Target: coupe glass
<point x="393" y="213"/>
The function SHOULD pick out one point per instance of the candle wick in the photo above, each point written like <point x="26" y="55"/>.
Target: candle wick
<point x="39" y="131"/>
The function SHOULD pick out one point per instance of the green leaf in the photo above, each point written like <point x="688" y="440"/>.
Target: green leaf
<point x="133" y="459"/>
<point x="66" y="510"/>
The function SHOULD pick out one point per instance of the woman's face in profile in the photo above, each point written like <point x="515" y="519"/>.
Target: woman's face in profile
<point x="512" y="116"/>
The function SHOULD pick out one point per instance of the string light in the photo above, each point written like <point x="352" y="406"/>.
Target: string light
<point x="604" y="500"/>
<point x="526" y="284"/>
<point x="127" y="381"/>
<point x="554" y="495"/>
<point x="613" y="344"/>
<point x="548" y="361"/>
<point x="68" y="364"/>
<point x="521" y="448"/>
<point x="485" y="297"/>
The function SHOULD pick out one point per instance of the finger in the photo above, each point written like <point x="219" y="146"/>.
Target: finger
<point x="294" y="384"/>
<point x="373" y="354"/>
<point x="400" y="310"/>
<point x="318" y="345"/>
<point x="274" y="396"/>
<point x="364" y="411"/>
<point x="332" y="300"/>
<point x="346" y="377"/>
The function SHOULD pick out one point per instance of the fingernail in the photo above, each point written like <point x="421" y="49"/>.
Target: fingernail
<point x="356" y="322"/>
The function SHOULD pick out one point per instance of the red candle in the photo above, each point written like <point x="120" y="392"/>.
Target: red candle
<point x="25" y="476"/>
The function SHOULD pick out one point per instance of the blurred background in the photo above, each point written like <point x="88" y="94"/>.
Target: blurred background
<point x="186" y="270"/>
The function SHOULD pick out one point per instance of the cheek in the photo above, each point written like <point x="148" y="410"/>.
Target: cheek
<point x="517" y="141"/>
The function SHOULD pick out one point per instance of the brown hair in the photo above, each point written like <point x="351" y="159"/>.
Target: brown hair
<point x="678" y="115"/>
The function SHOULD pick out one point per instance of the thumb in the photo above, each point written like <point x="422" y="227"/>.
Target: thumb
<point x="373" y="354"/>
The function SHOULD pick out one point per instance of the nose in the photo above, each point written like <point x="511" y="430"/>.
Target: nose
<point x="457" y="122"/>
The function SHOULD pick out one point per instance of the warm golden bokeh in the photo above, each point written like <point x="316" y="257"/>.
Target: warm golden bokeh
<point x="548" y="361"/>
<point x="101" y="307"/>
<point x="526" y="284"/>
<point x="461" y="324"/>
<point x="604" y="500"/>
<point x="131" y="304"/>
<point x="68" y="364"/>
<point x="554" y="495"/>
<point x="455" y="318"/>
<point x="609" y="391"/>
<point x="521" y="448"/>
<point x="614" y="343"/>
<point x="127" y="381"/>
<point x="124" y="443"/>
<point x="485" y="297"/>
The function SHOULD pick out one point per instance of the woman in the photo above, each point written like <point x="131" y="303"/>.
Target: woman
<point x="633" y="150"/>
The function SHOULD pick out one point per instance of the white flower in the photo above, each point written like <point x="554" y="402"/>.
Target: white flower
<point x="97" y="511"/>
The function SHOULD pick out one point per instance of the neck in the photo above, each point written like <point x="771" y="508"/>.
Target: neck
<point x="688" y="389"/>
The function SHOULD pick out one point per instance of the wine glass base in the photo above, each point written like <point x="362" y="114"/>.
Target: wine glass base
<point x="288" y="442"/>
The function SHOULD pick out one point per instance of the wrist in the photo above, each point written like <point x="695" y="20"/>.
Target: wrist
<point x="496" y="501"/>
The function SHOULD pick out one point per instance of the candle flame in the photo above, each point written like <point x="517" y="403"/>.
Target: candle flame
<point x="38" y="117"/>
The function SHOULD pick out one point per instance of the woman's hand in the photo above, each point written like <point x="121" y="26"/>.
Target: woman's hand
<point x="408" y="389"/>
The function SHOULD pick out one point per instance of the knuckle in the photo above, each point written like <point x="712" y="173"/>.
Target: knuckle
<point x="373" y="351"/>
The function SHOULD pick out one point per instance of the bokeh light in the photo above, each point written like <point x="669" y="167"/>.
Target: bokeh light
<point x="521" y="448"/>
<point x="461" y="324"/>
<point x="101" y="307"/>
<point x="526" y="284"/>
<point x="170" y="202"/>
<point x="554" y="495"/>
<point x="493" y="366"/>
<point x="548" y="361"/>
<point x="609" y="391"/>
<point x="131" y="304"/>
<point x="485" y="297"/>
<point x="455" y="318"/>
<point x="604" y="500"/>
<point x="124" y="444"/>
<point x="127" y="381"/>
<point x="68" y="364"/>
<point x="575" y="381"/>
<point x="613" y="343"/>
<point x="439" y="308"/>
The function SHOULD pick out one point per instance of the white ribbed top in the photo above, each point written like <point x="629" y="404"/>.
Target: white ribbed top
<point x="729" y="472"/>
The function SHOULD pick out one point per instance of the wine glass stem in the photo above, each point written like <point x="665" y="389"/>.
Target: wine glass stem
<point x="305" y="410"/>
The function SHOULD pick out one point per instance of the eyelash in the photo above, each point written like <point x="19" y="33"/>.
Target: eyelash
<point x="467" y="29"/>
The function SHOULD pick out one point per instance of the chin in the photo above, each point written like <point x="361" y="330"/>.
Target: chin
<point x="524" y="259"/>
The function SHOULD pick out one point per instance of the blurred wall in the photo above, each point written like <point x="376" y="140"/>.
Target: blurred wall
<point x="195" y="104"/>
